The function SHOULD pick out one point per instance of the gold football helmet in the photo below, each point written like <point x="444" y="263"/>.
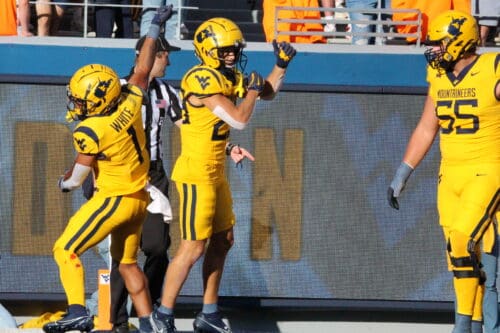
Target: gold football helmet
<point x="456" y="33"/>
<point x="216" y="36"/>
<point x="93" y="90"/>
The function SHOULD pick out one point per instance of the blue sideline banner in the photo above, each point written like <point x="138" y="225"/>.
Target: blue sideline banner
<point x="312" y="216"/>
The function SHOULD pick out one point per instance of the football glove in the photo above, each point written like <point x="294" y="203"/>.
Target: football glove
<point x="284" y="53"/>
<point x="61" y="186"/>
<point x="398" y="184"/>
<point x="255" y="81"/>
<point x="162" y="15"/>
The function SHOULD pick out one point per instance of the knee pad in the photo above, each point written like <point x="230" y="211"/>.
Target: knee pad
<point x="463" y="257"/>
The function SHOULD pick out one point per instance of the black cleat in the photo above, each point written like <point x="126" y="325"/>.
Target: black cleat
<point x="162" y="323"/>
<point x="210" y="323"/>
<point x="70" y="323"/>
<point x="120" y="328"/>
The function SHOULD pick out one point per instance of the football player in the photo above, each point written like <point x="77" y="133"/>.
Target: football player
<point x="210" y="93"/>
<point x="463" y="105"/>
<point x="109" y="140"/>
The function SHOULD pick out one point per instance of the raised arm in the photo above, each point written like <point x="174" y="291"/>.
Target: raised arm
<point x="236" y="116"/>
<point x="146" y="57"/>
<point x="284" y="53"/>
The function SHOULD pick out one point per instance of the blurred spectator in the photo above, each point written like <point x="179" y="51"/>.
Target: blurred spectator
<point x="359" y="29"/>
<point x="487" y="13"/>
<point x="328" y="15"/>
<point x="12" y="17"/>
<point x="269" y="8"/>
<point x="107" y="17"/>
<point x="148" y="11"/>
<point x="49" y="16"/>
<point x="429" y="10"/>
<point x="337" y="15"/>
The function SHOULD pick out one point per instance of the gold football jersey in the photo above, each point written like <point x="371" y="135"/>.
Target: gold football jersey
<point x="119" y="142"/>
<point x="203" y="134"/>
<point x="468" y="111"/>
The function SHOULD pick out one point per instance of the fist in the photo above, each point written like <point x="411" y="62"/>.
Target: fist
<point x="162" y="15"/>
<point x="255" y="81"/>
<point x="65" y="176"/>
<point x="284" y="53"/>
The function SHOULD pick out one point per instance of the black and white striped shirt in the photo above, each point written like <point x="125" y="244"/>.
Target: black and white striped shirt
<point x="163" y="101"/>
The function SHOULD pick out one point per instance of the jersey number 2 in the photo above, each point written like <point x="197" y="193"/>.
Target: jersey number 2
<point x="218" y="134"/>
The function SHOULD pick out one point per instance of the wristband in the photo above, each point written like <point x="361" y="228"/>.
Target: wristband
<point x="230" y="147"/>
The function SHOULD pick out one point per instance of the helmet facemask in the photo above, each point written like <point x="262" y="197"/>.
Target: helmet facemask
<point x="452" y="36"/>
<point x="240" y="59"/>
<point x="77" y="107"/>
<point x="438" y="58"/>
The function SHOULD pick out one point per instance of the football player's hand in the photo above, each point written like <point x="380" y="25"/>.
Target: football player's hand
<point x="255" y="81"/>
<point x="284" y="53"/>
<point x="61" y="180"/>
<point x="162" y="15"/>
<point x="393" y="201"/>
<point x="398" y="184"/>
<point x="238" y="154"/>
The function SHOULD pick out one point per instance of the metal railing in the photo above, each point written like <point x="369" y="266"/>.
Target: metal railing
<point x="380" y="23"/>
<point x="86" y="4"/>
<point x="380" y="33"/>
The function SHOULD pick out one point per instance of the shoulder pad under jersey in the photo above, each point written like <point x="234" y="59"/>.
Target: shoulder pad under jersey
<point x="203" y="81"/>
<point x="431" y="73"/>
<point x="497" y="63"/>
<point x="132" y="96"/>
<point x="86" y="138"/>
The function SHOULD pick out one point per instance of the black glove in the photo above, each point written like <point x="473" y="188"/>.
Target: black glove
<point x="255" y="81"/>
<point x="398" y="184"/>
<point x="162" y="15"/>
<point x="284" y="53"/>
<point x="393" y="201"/>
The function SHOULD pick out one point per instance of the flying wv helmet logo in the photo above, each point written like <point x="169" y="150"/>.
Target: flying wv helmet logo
<point x="102" y="88"/>
<point x="455" y="26"/>
<point x="204" y="34"/>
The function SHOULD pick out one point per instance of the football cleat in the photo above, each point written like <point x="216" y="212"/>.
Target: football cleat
<point x="70" y="323"/>
<point x="121" y="328"/>
<point x="210" y="323"/>
<point x="162" y="323"/>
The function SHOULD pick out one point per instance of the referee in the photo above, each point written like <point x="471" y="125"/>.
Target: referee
<point x="163" y="103"/>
